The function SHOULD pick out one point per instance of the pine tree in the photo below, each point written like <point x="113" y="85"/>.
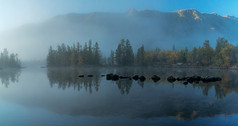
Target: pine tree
<point x="119" y="54"/>
<point x="129" y="55"/>
<point x="90" y="53"/>
<point x="50" y="57"/>
<point x="97" y="54"/>
<point x="221" y="43"/>
<point x="207" y="53"/>
<point x="140" y="55"/>
<point x="85" y="54"/>
<point x="111" y="59"/>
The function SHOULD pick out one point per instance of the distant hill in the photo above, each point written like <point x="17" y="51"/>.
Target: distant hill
<point x="149" y="27"/>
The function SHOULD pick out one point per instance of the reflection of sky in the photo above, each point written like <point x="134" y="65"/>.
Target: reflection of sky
<point x="33" y="101"/>
<point x="15" y="12"/>
<point x="13" y="114"/>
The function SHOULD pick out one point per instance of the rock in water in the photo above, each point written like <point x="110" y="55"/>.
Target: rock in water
<point x="81" y="76"/>
<point x="90" y="75"/>
<point x="115" y="77"/>
<point x="185" y="83"/>
<point x="136" y="77"/>
<point x="155" y="78"/>
<point x="171" y="79"/>
<point x="109" y="76"/>
<point x="142" y="78"/>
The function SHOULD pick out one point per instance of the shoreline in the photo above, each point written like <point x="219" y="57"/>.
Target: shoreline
<point x="162" y="67"/>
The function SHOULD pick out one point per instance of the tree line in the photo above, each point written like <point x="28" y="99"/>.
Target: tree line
<point x="74" y="55"/>
<point x="224" y="54"/>
<point x="9" y="60"/>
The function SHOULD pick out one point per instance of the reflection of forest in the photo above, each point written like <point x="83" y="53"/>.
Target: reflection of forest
<point x="9" y="75"/>
<point x="158" y="100"/>
<point x="69" y="78"/>
<point x="66" y="78"/>
<point x="227" y="85"/>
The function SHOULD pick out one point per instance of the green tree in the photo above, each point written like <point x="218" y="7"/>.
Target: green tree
<point x="140" y="56"/>
<point x="90" y="53"/>
<point x="221" y="43"/>
<point x="120" y="53"/>
<point x="111" y="59"/>
<point x="97" y="54"/>
<point x="85" y="54"/>
<point x="207" y="53"/>
<point x="129" y="55"/>
<point x="226" y="55"/>
<point x="51" y="57"/>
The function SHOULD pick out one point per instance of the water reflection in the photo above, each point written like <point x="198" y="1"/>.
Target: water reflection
<point x="66" y="78"/>
<point x="8" y="76"/>
<point x="126" y="98"/>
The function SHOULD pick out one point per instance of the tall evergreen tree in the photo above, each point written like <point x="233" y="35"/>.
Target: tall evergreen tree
<point x="85" y="54"/>
<point x="111" y="59"/>
<point x="129" y="55"/>
<point x="221" y="43"/>
<point x="119" y="53"/>
<point x="206" y="53"/>
<point x="90" y="52"/>
<point x="50" y="57"/>
<point x="97" y="54"/>
<point x="140" y="56"/>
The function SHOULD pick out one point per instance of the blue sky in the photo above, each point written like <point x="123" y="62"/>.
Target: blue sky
<point x="14" y="13"/>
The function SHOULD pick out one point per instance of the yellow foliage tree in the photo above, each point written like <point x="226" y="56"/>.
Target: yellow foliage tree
<point x="226" y="53"/>
<point x="171" y="57"/>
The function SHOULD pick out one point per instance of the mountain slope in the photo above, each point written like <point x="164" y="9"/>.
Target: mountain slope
<point x="149" y="27"/>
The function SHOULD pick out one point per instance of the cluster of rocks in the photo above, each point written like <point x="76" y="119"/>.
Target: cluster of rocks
<point x="194" y="79"/>
<point x="155" y="78"/>
<point x="86" y="75"/>
<point x="115" y="77"/>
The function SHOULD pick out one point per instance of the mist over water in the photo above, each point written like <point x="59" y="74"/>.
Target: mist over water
<point x="100" y="63"/>
<point x="154" y="29"/>
<point x="67" y="97"/>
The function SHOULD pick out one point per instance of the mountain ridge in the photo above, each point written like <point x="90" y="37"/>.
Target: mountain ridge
<point x="187" y="27"/>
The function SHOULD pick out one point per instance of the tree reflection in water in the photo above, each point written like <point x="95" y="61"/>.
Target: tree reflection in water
<point x="8" y="76"/>
<point x="65" y="78"/>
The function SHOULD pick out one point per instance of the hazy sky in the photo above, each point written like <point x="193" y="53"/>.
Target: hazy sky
<point x="14" y="13"/>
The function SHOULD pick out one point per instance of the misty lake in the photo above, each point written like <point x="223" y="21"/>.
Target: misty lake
<point x="58" y="97"/>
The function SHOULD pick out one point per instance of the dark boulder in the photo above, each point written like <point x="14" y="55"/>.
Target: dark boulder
<point x="124" y="77"/>
<point x="185" y="83"/>
<point x="181" y="78"/>
<point x="81" y="76"/>
<point x="155" y="78"/>
<point x="171" y="79"/>
<point x="195" y="79"/>
<point x="90" y="75"/>
<point x="142" y="78"/>
<point x="190" y="80"/>
<point x="210" y="79"/>
<point x="115" y="77"/>
<point x="109" y="76"/>
<point x="136" y="77"/>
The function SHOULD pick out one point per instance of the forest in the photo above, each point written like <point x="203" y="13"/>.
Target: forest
<point x="224" y="54"/>
<point x="9" y="60"/>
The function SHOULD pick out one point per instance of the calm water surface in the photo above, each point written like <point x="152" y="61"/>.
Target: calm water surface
<point x="57" y="97"/>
